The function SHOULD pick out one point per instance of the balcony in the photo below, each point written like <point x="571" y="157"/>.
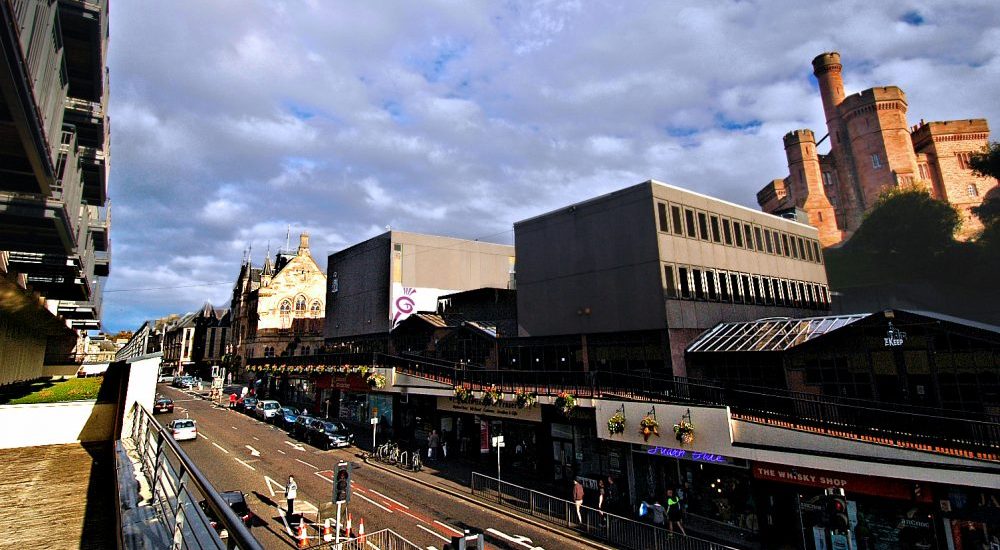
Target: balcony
<point x="93" y="173"/>
<point x="84" y="32"/>
<point x="102" y="263"/>
<point x="88" y="118"/>
<point x="99" y="224"/>
<point x="31" y="223"/>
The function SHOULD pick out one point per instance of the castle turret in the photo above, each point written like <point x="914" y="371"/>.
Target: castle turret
<point x="805" y="184"/>
<point x="827" y="68"/>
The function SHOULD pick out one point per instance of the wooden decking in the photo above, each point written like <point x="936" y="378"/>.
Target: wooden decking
<point x="57" y="496"/>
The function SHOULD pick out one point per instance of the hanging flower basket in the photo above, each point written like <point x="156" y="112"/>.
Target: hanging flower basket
<point x="363" y="371"/>
<point x="684" y="431"/>
<point x="616" y="424"/>
<point x="463" y="395"/>
<point x="525" y="399"/>
<point x="566" y="402"/>
<point x="376" y="380"/>
<point x="649" y="427"/>
<point x="492" y="395"/>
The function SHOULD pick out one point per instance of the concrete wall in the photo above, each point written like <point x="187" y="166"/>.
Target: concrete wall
<point x="56" y="423"/>
<point x="142" y="374"/>
<point x="357" y="299"/>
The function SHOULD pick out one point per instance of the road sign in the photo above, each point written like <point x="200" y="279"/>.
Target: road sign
<point x="498" y="441"/>
<point x="373" y="421"/>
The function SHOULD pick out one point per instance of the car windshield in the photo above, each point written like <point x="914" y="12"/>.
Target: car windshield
<point x="183" y="423"/>
<point x="162" y="400"/>
<point x="289" y="411"/>
<point x="270" y="406"/>
<point x="331" y="427"/>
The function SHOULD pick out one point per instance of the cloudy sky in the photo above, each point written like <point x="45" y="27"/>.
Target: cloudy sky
<point x="235" y="119"/>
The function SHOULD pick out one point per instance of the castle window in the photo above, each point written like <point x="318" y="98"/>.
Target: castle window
<point x="924" y="174"/>
<point x="827" y="178"/>
<point x="972" y="190"/>
<point x="963" y="160"/>
<point x="876" y="161"/>
<point x="285" y="307"/>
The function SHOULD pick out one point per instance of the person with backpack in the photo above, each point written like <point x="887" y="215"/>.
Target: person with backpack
<point x="659" y="513"/>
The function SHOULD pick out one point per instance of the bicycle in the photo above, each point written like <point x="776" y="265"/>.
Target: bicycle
<point x="416" y="465"/>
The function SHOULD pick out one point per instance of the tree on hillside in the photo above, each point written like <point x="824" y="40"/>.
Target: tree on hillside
<point x="906" y="223"/>
<point x="987" y="165"/>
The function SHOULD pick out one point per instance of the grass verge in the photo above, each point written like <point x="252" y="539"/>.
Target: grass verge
<point x="72" y="389"/>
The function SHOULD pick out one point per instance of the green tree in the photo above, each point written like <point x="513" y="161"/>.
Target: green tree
<point x="987" y="164"/>
<point x="906" y="224"/>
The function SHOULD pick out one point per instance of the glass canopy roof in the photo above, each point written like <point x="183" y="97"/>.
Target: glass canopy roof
<point x="772" y="334"/>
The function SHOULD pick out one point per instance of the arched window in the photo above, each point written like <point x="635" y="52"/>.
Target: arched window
<point x="300" y="303"/>
<point x="315" y="307"/>
<point x="285" y="307"/>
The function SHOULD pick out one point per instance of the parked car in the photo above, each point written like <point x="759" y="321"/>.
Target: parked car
<point x="266" y="409"/>
<point x="183" y="428"/>
<point x="246" y="404"/>
<point x="326" y="434"/>
<point x="238" y="502"/>
<point x="184" y="382"/>
<point x="300" y="430"/>
<point x="286" y="417"/>
<point x="166" y="378"/>
<point x="163" y="405"/>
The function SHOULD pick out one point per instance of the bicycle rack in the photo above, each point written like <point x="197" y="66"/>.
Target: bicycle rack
<point x="403" y="456"/>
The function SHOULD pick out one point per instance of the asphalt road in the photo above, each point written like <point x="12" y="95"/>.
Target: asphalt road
<point x="238" y="452"/>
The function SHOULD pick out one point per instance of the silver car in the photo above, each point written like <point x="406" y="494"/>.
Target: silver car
<point x="267" y="409"/>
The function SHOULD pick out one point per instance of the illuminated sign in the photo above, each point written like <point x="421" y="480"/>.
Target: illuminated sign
<point x="894" y="337"/>
<point x="685" y="454"/>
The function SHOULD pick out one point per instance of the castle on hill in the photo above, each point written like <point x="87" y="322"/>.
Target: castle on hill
<point x="872" y="149"/>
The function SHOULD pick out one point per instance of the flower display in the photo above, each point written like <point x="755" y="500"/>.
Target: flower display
<point x="376" y="380"/>
<point x="566" y="401"/>
<point x="649" y="427"/>
<point x="684" y="431"/>
<point x="463" y="395"/>
<point x="492" y="395"/>
<point x="616" y="424"/>
<point x="525" y="399"/>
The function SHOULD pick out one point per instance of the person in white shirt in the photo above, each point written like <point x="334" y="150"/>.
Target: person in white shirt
<point x="290" y="492"/>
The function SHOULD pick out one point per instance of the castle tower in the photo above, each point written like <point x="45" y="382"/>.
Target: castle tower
<point x="827" y="68"/>
<point x="805" y="184"/>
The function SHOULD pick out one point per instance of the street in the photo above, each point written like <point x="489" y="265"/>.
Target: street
<point x="238" y="452"/>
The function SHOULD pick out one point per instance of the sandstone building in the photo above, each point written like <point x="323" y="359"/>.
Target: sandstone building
<point x="278" y="309"/>
<point x="873" y="149"/>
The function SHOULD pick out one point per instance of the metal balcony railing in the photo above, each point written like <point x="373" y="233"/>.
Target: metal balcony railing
<point x="178" y="486"/>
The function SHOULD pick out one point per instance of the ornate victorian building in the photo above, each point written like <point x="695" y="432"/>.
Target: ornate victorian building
<point x="873" y="149"/>
<point x="278" y="309"/>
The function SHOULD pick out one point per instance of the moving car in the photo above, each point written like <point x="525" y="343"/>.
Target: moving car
<point x="327" y="435"/>
<point x="238" y="502"/>
<point x="286" y="417"/>
<point x="266" y="409"/>
<point x="183" y="428"/>
<point x="163" y="405"/>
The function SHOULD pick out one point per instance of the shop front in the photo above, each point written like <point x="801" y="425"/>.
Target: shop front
<point x="970" y="517"/>
<point x="468" y="428"/>
<point x="884" y="513"/>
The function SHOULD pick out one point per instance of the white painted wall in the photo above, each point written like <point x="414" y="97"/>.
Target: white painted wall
<point x="56" y="423"/>
<point x="141" y="386"/>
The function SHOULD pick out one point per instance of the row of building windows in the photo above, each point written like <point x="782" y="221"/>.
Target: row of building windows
<point x="695" y="224"/>
<point x="699" y="283"/>
<point x="300" y="306"/>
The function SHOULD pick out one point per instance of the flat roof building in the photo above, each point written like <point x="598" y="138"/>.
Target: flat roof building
<point x="654" y="257"/>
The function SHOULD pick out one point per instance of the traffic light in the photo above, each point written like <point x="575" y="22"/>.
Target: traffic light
<point x="342" y="483"/>
<point x="835" y="513"/>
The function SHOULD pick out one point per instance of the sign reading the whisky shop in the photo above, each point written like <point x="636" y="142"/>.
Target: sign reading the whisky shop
<point x="503" y="409"/>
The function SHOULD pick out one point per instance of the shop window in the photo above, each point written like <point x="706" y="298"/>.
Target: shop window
<point x="738" y="233"/>
<point x="716" y="236"/>
<point x="685" y="280"/>
<point x="727" y="232"/>
<point x="689" y="223"/>
<point x="669" y="281"/>
<point x="675" y="216"/>
<point x="702" y="226"/>
<point x="699" y="284"/>
<point x="661" y="211"/>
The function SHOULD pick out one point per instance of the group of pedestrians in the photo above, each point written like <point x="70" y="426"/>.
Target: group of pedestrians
<point x="671" y="515"/>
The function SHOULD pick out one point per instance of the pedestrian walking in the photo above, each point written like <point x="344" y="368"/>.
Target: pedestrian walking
<point x="659" y="514"/>
<point x="578" y="498"/>
<point x="433" y="442"/>
<point x="232" y="400"/>
<point x="674" y="514"/>
<point x="291" y="490"/>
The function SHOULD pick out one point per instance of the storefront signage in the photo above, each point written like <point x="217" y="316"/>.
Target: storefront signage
<point x="894" y="337"/>
<point x="503" y="409"/>
<point x="350" y="382"/>
<point x="685" y="454"/>
<point x="868" y="485"/>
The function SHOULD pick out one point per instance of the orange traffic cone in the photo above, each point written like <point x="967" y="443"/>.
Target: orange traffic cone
<point x="348" y="530"/>
<point x="361" y="530"/>
<point x="303" y="538"/>
<point x="327" y="532"/>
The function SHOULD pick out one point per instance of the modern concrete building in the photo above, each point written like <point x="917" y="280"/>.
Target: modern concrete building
<point x="661" y="264"/>
<point x="376" y="284"/>
<point x="54" y="138"/>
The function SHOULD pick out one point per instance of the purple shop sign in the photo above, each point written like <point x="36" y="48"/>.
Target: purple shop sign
<point x="684" y="454"/>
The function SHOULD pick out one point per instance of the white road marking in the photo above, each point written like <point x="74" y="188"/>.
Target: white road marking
<point x="253" y="452"/>
<point x="306" y="463"/>
<point x="328" y="480"/>
<point x="449" y="527"/>
<point x="363" y="497"/>
<point x="280" y="451"/>
<point x="296" y="446"/>
<point x="436" y="534"/>
<point x="389" y="499"/>
<point x="518" y="539"/>
<point x="220" y="448"/>
<point x="411" y="515"/>
<point x="271" y="484"/>
<point x="235" y="428"/>
<point x="255" y="437"/>
<point x="201" y="435"/>
<point x="245" y="464"/>
<point x="431" y="548"/>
